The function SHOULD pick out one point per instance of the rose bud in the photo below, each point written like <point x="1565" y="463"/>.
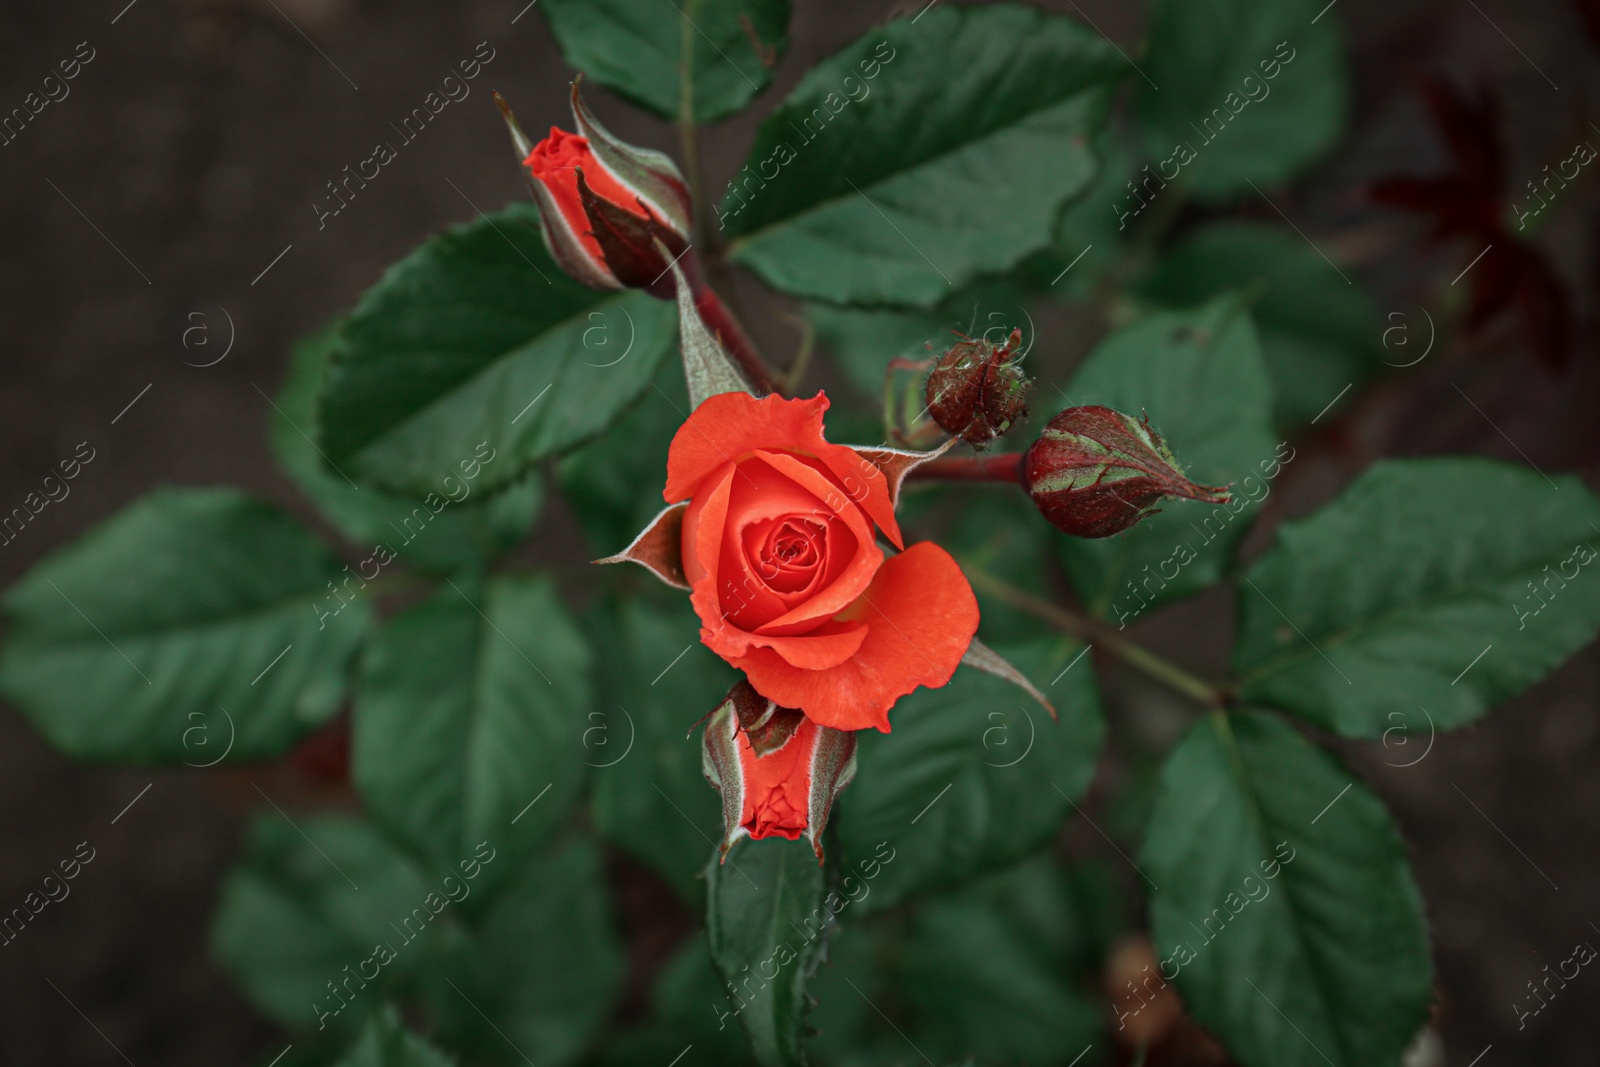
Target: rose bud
<point x="778" y="771"/>
<point x="977" y="389"/>
<point x="1146" y="1004"/>
<point x="1095" y="472"/>
<point x="604" y="204"/>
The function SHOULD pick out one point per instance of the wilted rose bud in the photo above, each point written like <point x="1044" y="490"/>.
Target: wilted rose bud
<point x="977" y="389"/>
<point x="1146" y="1004"/>
<point x="778" y="771"/>
<point x="1095" y="472"/>
<point x="603" y="204"/>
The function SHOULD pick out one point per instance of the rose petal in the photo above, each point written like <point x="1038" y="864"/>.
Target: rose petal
<point x="827" y="646"/>
<point x="703" y="521"/>
<point x="864" y="482"/>
<point x="856" y="573"/>
<point x="790" y="554"/>
<point x="756" y="494"/>
<point x="920" y="615"/>
<point x="554" y="163"/>
<point x="729" y="426"/>
<point x="758" y="491"/>
<point x="704" y="524"/>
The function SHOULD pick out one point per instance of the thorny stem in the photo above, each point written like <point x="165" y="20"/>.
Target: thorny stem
<point x="1000" y="467"/>
<point x="1205" y="693"/>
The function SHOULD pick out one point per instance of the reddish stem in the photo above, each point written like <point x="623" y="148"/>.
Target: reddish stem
<point x="1001" y="467"/>
<point x="721" y="322"/>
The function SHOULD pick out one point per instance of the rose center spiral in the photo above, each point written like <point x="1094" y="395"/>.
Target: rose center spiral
<point x="788" y="552"/>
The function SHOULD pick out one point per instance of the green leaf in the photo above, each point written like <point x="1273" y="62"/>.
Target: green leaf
<point x="1318" y="332"/>
<point x="651" y="797"/>
<point x="640" y="50"/>
<point x="992" y="528"/>
<point x="1285" y="911"/>
<point x="1239" y="91"/>
<point x="535" y="979"/>
<point x="989" y="971"/>
<point x="385" y="1042"/>
<point x="469" y="531"/>
<point x="309" y="900"/>
<point x="1198" y="375"/>
<point x="193" y="624"/>
<point x="613" y="484"/>
<point x="877" y="180"/>
<point x="688" y="1007"/>
<point x="1426" y="593"/>
<point x="765" y="911"/>
<point x="477" y="347"/>
<point x="974" y="776"/>
<point x="1090" y="233"/>
<point x="469" y="718"/>
<point x="855" y="978"/>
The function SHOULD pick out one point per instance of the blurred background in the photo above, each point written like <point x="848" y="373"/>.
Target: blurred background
<point x="162" y="213"/>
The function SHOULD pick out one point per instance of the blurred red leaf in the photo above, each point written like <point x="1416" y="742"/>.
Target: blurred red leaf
<point x="1469" y="201"/>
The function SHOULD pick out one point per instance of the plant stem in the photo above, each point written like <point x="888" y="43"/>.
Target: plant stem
<point x="718" y="318"/>
<point x="688" y="136"/>
<point x="390" y="584"/>
<point x="1205" y="693"/>
<point x="802" y="356"/>
<point x="1000" y="467"/>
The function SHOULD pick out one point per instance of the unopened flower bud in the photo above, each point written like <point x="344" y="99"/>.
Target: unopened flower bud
<point x="1095" y="472"/>
<point x="977" y="389"/>
<point x="778" y="771"/>
<point x="604" y="204"/>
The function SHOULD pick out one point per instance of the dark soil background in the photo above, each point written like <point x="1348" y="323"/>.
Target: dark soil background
<point x="189" y="154"/>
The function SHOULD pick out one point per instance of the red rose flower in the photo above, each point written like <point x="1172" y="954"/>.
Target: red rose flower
<point x="779" y="549"/>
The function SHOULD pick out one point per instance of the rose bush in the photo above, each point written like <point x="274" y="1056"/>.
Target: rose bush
<point x="541" y="709"/>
